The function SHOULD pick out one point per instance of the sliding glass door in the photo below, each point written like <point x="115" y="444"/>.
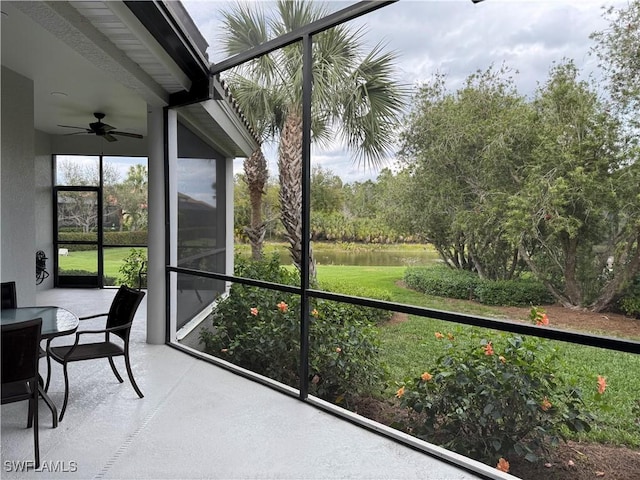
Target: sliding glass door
<point x="78" y="227"/>
<point x="100" y="220"/>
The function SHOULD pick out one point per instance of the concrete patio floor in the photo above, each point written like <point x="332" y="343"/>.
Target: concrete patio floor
<point x="196" y="421"/>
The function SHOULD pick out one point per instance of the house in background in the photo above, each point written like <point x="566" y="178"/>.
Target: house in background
<point x="143" y="65"/>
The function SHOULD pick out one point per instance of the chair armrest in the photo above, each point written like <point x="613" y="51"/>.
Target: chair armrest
<point x="104" y="330"/>
<point x="93" y="316"/>
<point x="83" y="332"/>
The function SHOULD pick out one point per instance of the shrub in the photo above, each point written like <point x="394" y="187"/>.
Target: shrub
<point x="442" y="281"/>
<point x="521" y="292"/>
<point x="107" y="280"/>
<point x="343" y="357"/>
<point x="495" y="398"/>
<point x="111" y="239"/>
<point x="630" y="301"/>
<point x="259" y="330"/>
<point x="130" y="269"/>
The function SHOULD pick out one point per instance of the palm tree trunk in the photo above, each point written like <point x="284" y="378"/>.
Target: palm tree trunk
<point x="256" y="174"/>
<point x="290" y="168"/>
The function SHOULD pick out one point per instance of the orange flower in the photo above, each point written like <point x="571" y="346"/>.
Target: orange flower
<point x="400" y="392"/>
<point x="546" y="404"/>
<point x="602" y="384"/>
<point x="439" y="336"/>
<point x="543" y="320"/>
<point x="538" y="316"/>
<point x="488" y="349"/>
<point x="503" y="465"/>
<point x="426" y="376"/>
<point x="502" y="359"/>
<point x="254" y="311"/>
<point x="314" y="313"/>
<point x="450" y="336"/>
<point x="283" y="307"/>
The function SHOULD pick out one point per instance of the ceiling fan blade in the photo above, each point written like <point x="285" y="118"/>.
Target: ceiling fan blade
<point x="76" y="133"/>
<point x="109" y="138"/>
<point x="126" y="134"/>
<point x="72" y="126"/>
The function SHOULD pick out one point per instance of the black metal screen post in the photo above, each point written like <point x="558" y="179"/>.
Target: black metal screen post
<point x="167" y="227"/>
<point x="307" y="85"/>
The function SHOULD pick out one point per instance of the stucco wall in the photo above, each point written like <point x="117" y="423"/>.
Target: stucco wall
<point x="43" y="203"/>
<point x="17" y="185"/>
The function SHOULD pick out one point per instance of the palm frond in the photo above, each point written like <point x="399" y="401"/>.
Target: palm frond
<point x="243" y="28"/>
<point x="372" y="107"/>
<point x="295" y="14"/>
<point x="354" y="92"/>
<point x="261" y="105"/>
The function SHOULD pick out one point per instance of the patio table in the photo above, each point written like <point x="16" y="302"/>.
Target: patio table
<point x="56" y="322"/>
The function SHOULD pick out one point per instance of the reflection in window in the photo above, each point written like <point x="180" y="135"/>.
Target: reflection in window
<point x="201" y="234"/>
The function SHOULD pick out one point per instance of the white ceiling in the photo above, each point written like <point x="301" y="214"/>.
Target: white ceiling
<point x="72" y="78"/>
<point x="96" y="56"/>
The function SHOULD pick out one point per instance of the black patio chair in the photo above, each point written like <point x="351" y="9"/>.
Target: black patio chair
<point x="9" y="298"/>
<point x="20" y="356"/>
<point x="119" y="321"/>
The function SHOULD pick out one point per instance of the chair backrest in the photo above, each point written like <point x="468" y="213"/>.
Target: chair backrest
<point x="123" y="309"/>
<point x="9" y="298"/>
<point x="21" y="350"/>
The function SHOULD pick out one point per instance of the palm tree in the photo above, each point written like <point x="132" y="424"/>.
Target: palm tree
<point x="354" y="98"/>
<point x="256" y="176"/>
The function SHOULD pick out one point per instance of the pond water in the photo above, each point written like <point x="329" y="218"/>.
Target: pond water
<point x="385" y="257"/>
<point x="378" y="258"/>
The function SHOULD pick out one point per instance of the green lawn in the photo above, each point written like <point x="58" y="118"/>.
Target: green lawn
<point x="88" y="260"/>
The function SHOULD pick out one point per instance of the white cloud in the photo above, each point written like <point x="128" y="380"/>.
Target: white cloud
<point x="457" y="38"/>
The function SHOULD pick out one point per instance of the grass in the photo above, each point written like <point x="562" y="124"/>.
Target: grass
<point x="88" y="260"/>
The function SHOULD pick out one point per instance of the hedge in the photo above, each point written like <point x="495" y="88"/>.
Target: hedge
<point x="111" y="239"/>
<point x="442" y="281"/>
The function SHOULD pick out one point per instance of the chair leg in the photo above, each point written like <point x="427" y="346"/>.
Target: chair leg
<point x="46" y="385"/>
<point x="52" y="407"/>
<point x="130" y="373"/>
<point x="66" y="391"/>
<point x="30" y="414"/>
<point x="36" y="441"/>
<point x="115" y="370"/>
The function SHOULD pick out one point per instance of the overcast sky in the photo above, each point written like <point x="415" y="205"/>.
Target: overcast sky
<point x="455" y="37"/>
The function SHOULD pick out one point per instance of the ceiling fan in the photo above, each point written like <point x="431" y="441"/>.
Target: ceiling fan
<point x="102" y="129"/>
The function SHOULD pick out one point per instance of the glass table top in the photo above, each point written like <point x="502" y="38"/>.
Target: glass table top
<point x="55" y="320"/>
